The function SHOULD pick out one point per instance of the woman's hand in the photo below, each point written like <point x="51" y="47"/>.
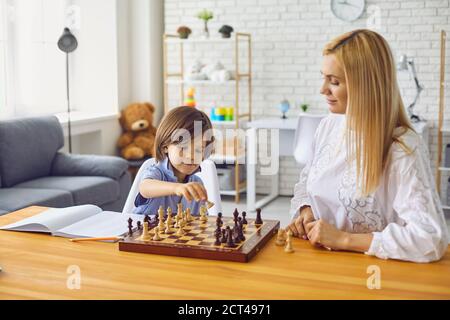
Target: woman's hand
<point x="191" y="191"/>
<point x="323" y="234"/>
<point x="298" y="224"/>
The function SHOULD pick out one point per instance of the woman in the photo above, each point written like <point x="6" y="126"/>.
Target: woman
<point x="368" y="187"/>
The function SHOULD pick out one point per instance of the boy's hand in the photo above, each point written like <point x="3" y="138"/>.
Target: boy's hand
<point x="298" y="225"/>
<point x="191" y="191"/>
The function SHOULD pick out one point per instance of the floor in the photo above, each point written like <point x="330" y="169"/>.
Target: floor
<point x="276" y="210"/>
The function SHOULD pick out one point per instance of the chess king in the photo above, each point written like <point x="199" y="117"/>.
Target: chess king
<point x="183" y="140"/>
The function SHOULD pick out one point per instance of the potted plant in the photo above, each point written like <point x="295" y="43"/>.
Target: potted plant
<point x="205" y="15"/>
<point x="226" y="31"/>
<point x="304" y="107"/>
<point x="184" y="32"/>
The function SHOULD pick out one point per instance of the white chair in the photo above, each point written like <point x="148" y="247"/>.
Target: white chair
<point x="208" y="174"/>
<point x="304" y="137"/>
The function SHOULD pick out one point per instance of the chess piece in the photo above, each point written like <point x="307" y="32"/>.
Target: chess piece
<point x="139" y="225"/>
<point x="147" y="218"/>
<point x="258" y="220"/>
<point x="203" y="216"/>
<point x="185" y="219"/>
<point x="209" y="204"/>
<point x="235" y="215"/>
<point x="156" y="237"/>
<point x="217" y="234"/>
<point x="224" y="236"/>
<point x="288" y="247"/>
<point x="145" y="236"/>
<point x="219" y="215"/>
<point x="179" y="209"/>
<point x="161" y="218"/>
<point x="281" y="237"/>
<point x="189" y="216"/>
<point x="230" y="242"/>
<point x="180" y="231"/>
<point x="241" y="231"/>
<point x="130" y="227"/>
<point x="244" y="221"/>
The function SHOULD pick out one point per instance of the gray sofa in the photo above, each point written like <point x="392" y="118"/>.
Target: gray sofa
<point x="34" y="172"/>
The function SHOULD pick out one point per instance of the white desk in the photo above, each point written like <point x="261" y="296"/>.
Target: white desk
<point x="287" y="128"/>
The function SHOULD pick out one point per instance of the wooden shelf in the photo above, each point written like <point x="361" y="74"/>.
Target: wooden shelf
<point x="239" y="40"/>
<point x="201" y="82"/>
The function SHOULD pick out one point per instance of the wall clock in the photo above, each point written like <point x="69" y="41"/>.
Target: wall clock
<point x="348" y="10"/>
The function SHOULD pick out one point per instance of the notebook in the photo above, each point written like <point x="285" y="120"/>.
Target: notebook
<point x="83" y="221"/>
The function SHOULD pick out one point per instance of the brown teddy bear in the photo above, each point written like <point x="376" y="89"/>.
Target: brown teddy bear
<point x="138" y="137"/>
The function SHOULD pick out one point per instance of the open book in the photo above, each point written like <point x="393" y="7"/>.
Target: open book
<point x="84" y="221"/>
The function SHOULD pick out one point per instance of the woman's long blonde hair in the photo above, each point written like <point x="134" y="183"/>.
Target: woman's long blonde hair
<point x="375" y="107"/>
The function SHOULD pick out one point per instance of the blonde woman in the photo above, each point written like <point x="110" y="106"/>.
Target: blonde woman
<point x="368" y="187"/>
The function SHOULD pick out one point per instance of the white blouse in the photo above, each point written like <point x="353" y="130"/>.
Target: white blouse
<point x="404" y="214"/>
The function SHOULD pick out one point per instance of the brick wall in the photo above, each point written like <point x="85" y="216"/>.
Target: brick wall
<point x="288" y="37"/>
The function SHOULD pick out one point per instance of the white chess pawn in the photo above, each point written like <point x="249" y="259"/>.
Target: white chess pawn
<point x="145" y="235"/>
<point x="156" y="237"/>
<point x="180" y="231"/>
<point x="189" y="217"/>
<point x="288" y="247"/>
<point x="281" y="237"/>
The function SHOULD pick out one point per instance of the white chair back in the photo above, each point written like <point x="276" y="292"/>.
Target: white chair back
<point x="304" y="137"/>
<point x="208" y="174"/>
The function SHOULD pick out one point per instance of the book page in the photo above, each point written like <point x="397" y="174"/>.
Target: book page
<point x="53" y="219"/>
<point x="104" y="224"/>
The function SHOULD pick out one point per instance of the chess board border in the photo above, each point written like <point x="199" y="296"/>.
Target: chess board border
<point x="245" y="253"/>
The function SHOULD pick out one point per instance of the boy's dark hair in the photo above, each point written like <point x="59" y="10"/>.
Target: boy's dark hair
<point x="180" y="118"/>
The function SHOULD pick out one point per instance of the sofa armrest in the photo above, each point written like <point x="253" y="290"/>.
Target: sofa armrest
<point x="65" y="164"/>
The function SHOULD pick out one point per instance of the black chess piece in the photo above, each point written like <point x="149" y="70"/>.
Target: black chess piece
<point x="235" y="215"/>
<point x="236" y="237"/>
<point x="224" y="236"/>
<point x="139" y="225"/>
<point x="241" y="231"/>
<point x="219" y="216"/>
<point x="258" y="220"/>
<point x="146" y="219"/>
<point x="230" y="242"/>
<point x="130" y="226"/>
<point x="244" y="214"/>
<point x="218" y="233"/>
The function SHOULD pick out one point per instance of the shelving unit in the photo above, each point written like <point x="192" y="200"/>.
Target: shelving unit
<point x="177" y="78"/>
<point x="441" y="128"/>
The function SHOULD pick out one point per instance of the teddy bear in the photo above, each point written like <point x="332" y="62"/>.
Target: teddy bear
<point x="138" y="137"/>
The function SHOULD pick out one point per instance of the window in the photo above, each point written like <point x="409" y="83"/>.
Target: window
<point x="32" y="68"/>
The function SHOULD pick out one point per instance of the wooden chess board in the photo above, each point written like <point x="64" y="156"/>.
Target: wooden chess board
<point x="198" y="241"/>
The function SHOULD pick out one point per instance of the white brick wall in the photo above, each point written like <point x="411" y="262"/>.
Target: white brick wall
<point x="288" y="37"/>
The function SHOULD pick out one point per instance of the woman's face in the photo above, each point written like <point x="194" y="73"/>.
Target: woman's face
<point x="334" y="87"/>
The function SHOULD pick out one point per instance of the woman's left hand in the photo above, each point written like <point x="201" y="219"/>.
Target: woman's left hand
<point x="326" y="235"/>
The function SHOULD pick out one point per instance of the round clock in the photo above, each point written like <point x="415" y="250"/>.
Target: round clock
<point x="348" y="10"/>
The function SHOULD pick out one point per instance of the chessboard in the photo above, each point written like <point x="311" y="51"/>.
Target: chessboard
<point x="200" y="241"/>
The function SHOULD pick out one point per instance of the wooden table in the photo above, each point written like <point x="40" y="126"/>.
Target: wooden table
<point x="35" y="267"/>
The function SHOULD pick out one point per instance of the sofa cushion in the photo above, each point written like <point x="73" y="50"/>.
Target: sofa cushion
<point x="27" y="148"/>
<point x="66" y="164"/>
<point x="84" y="190"/>
<point x="12" y="199"/>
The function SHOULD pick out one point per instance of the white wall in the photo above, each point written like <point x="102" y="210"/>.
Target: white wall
<point x="140" y="30"/>
<point x="288" y="37"/>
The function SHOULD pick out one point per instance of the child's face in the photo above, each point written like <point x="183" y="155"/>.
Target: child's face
<point x="186" y="157"/>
